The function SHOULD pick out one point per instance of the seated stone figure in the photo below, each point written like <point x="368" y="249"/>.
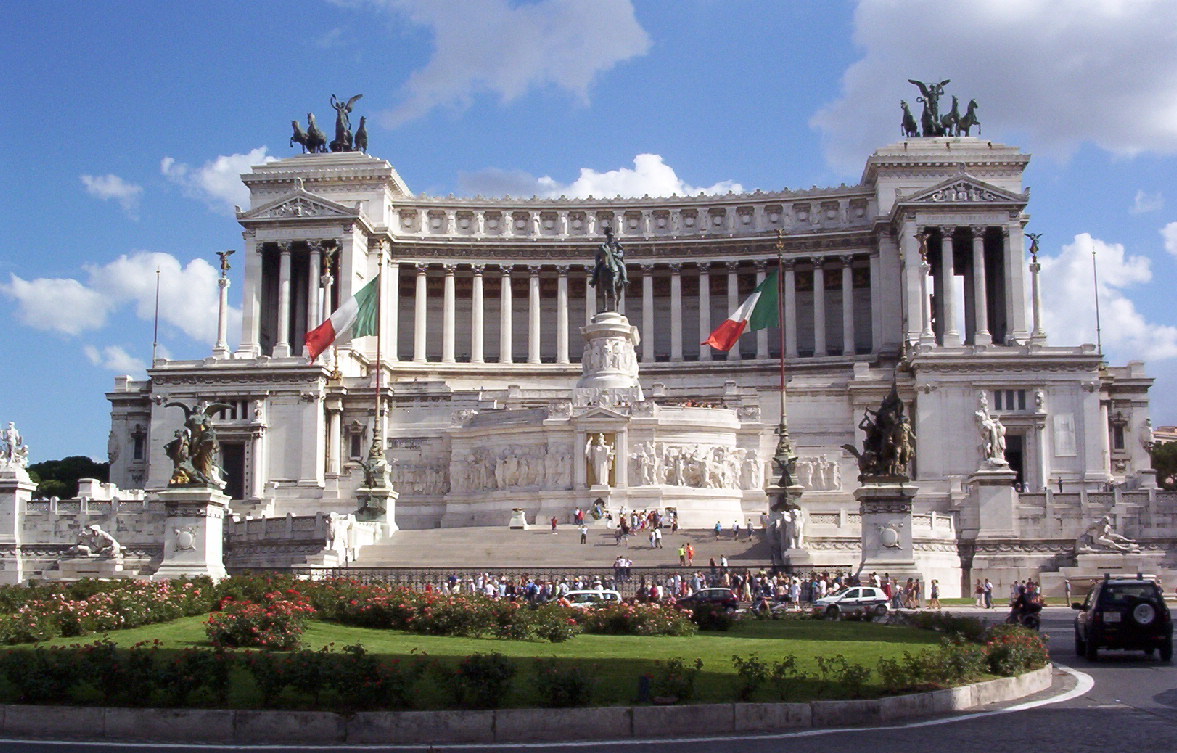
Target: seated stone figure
<point x="95" y="542"/>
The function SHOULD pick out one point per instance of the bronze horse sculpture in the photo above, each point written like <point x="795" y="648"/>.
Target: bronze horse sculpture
<point x="609" y="275"/>
<point x="969" y="119"/>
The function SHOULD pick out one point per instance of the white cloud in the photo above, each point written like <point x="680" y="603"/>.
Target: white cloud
<point x="1169" y="233"/>
<point x="497" y="47"/>
<point x="1147" y="202"/>
<point x="649" y="176"/>
<point x="59" y="304"/>
<point x="1095" y="71"/>
<point x="189" y="296"/>
<point x="111" y="186"/>
<point x="115" y="358"/>
<point x="1069" y="304"/>
<point x="218" y="181"/>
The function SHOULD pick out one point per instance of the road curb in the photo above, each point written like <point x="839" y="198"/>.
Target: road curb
<point x="119" y="724"/>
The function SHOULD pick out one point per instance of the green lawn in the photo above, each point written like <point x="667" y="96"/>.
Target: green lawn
<point x="615" y="661"/>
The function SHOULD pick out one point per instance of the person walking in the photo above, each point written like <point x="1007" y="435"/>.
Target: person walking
<point x="1067" y="590"/>
<point x="934" y="596"/>
<point x="988" y="591"/>
<point x="718" y="529"/>
<point x="979" y="593"/>
<point x="682" y="556"/>
<point x="657" y="534"/>
<point x="690" y="555"/>
<point x="555" y="522"/>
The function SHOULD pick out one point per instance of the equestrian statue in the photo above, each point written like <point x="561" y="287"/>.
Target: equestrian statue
<point x="609" y="275"/>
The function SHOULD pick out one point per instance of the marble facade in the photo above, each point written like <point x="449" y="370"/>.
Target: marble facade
<point x="916" y="275"/>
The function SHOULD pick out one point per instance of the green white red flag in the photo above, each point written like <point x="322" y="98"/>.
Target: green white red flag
<point x="357" y="313"/>
<point x="758" y="311"/>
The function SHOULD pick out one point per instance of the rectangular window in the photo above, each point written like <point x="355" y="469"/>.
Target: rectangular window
<point x="1009" y="400"/>
<point x="1118" y="437"/>
<point x="137" y="451"/>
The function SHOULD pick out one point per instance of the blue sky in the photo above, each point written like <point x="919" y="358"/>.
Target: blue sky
<point x="127" y="122"/>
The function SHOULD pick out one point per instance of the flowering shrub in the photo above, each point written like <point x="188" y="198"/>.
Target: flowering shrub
<point x="675" y="679"/>
<point x="481" y="681"/>
<point x="637" y="619"/>
<point x="711" y="616"/>
<point x="563" y="687"/>
<point x="54" y="612"/>
<point x="1013" y="649"/>
<point x="275" y="623"/>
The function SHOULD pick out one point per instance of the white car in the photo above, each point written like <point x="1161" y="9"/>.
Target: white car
<point x="592" y="598"/>
<point x="856" y="601"/>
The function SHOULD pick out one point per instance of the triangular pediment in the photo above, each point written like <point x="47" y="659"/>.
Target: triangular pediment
<point x="964" y="189"/>
<point x="601" y="413"/>
<point x="300" y="204"/>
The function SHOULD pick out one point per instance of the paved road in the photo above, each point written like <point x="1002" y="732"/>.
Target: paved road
<point x="1132" y="707"/>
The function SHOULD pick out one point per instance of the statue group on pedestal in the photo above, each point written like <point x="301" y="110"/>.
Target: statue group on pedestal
<point x="609" y="275"/>
<point x="314" y="141"/>
<point x="195" y="451"/>
<point x="932" y="123"/>
<point x="14" y="453"/>
<point x="992" y="434"/>
<point x="889" y="446"/>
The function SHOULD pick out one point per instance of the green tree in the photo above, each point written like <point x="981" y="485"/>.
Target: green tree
<point x="59" y="478"/>
<point x="1164" y="459"/>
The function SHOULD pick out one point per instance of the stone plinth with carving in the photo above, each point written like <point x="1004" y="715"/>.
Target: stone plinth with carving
<point x="193" y="534"/>
<point x="378" y="505"/>
<point x="997" y="502"/>
<point x="609" y="374"/>
<point x="16" y="489"/>
<point x="887" y="545"/>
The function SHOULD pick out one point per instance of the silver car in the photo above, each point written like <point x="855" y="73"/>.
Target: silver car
<point x="856" y="601"/>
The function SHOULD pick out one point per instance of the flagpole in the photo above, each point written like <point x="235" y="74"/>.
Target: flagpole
<point x="155" y="334"/>
<point x="379" y="432"/>
<point x="784" y="450"/>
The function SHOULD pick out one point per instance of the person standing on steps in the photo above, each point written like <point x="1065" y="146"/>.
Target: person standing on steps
<point x="583" y="533"/>
<point x="690" y="555"/>
<point x="555" y="522"/>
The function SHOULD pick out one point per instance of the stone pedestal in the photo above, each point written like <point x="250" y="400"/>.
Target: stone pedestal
<point x="1092" y="566"/>
<point x="98" y="568"/>
<point x="378" y="505"/>
<point x="887" y="545"/>
<point x="518" y="520"/>
<point x="997" y="502"/>
<point x="16" y="489"/>
<point x="609" y="368"/>
<point x="193" y="533"/>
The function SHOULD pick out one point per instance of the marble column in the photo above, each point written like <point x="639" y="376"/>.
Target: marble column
<point x="981" y="335"/>
<point x="790" y="308"/>
<point x="704" y="309"/>
<point x="676" y="312"/>
<point x="447" y="315"/>
<point x="819" y="307"/>
<point x="562" y="315"/>
<point x="848" y="347"/>
<point x="927" y="334"/>
<point x="391" y="311"/>
<point x="533" y="315"/>
<point x="419" y="330"/>
<point x="762" y="335"/>
<point x="334" y="418"/>
<point x="1037" y="335"/>
<point x="951" y="333"/>
<point x="251" y="298"/>
<point x="505" y="304"/>
<point x="648" y="313"/>
<point x="1015" y="281"/>
<point x="733" y="301"/>
<point x="590" y="296"/>
<point x="282" y="347"/>
<point x="476" y="312"/>
<point x="876" y="305"/>
<point x="221" y="349"/>
<point x="314" y="315"/>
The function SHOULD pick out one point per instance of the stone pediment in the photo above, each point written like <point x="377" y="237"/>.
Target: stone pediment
<point x="298" y="205"/>
<point x="602" y="413"/>
<point x="964" y="189"/>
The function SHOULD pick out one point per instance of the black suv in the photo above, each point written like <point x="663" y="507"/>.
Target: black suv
<point x="1124" y="613"/>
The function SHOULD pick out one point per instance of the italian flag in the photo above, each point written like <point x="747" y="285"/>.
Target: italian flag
<point x="758" y="311"/>
<point x="357" y="313"/>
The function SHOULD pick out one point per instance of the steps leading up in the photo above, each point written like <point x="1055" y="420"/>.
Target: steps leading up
<point x="539" y="547"/>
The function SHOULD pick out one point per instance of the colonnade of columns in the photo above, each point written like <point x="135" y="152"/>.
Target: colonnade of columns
<point x="667" y="310"/>
<point x="990" y="259"/>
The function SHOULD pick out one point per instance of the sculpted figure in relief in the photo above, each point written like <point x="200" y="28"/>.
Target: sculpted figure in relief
<point x="992" y="433"/>
<point x="92" y="541"/>
<point x="600" y="457"/>
<point x="1101" y="535"/>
